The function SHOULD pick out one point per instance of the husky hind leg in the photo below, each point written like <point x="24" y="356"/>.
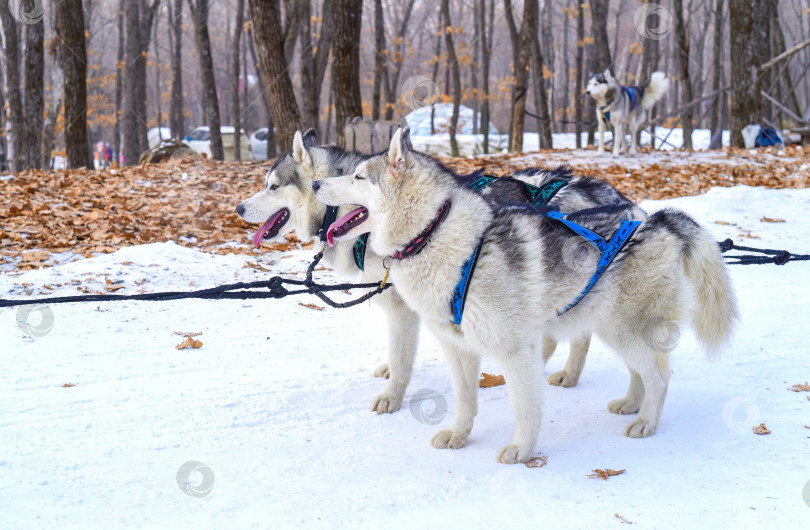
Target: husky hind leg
<point x="631" y="403"/>
<point x="524" y="382"/>
<point x="569" y="376"/>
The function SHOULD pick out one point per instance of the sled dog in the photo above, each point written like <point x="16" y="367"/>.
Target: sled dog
<point x="623" y="105"/>
<point x="287" y="203"/>
<point x="492" y="282"/>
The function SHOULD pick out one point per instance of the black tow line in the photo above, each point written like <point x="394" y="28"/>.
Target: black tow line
<point x="779" y="257"/>
<point x="234" y="291"/>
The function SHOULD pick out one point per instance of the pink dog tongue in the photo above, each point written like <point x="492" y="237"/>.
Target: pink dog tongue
<point x="343" y="220"/>
<point x="257" y="238"/>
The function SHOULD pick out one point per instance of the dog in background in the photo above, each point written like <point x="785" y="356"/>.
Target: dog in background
<point x="622" y="105"/>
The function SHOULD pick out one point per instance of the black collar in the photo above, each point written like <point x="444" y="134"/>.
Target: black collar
<point x="328" y="219"/>
<point x="418" y="243"/>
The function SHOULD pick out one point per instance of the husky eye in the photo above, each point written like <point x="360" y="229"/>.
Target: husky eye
<point x="273" y="187"/>
<point x="358" y="177"/>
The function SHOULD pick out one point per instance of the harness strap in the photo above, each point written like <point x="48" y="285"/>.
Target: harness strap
<point x="481" y="182"/>
<point x="328" y="219"/>
<point x="543" y="194"/>
<point x="608" y="249"/>
<point x="359" y="251"/>
<point x="460" y="291"/>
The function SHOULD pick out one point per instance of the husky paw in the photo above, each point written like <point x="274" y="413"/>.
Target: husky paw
<point x="639" y="429"/>
<point x="448" y="439"/>
<point x="562" y="378"/>
<point x="623" y="406"/>
<point x="382" y="371"/>
<point x="386" y="403"/>
<point x="515" y="454"/>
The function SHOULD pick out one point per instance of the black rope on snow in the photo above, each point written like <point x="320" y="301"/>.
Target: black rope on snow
<point x="533" y="115"/>
<point x="233" y="291"/>
<point x="779" y="257"/>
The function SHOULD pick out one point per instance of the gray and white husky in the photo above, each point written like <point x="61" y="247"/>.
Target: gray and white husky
<point x="670" y="274"/>
<point x="287" y="202"/>
<point x="620" y="105"/>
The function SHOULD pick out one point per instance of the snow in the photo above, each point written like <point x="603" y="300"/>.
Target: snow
<point x="419" y="119"/>
<point x="275" y="404"/>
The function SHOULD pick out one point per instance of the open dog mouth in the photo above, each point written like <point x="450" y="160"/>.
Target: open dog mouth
<point x="270" y="229"/>
<point x="343" y="225"/>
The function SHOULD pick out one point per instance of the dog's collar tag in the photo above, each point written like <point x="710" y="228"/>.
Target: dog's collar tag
<point x="328" y="219"/>
<point x="418" y="243"/>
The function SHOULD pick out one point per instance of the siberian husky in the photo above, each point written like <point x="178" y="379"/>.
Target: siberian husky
<point x="445" y="242"/>
<point x="622" y="105"/>
<point x="288" y="203"/>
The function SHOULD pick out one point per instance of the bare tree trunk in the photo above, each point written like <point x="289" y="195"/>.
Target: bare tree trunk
<point x="599" y="12"/>
<point x="682" y="44"/>
<point x="486" y="54"/>
<point x="309" y="92"/>
<point x="717" y="63"/>
<point x="54" y="104"/>
<point x="455" y="73"/>
<point x="326" y="34"/>
<point x="437" y="60"/>
<point x="147" y="18"/>
<point x="748" y="23"/>
<point x="290" y="29"/>
<point x="522" y="44"/>
<point x="70" y="33"/>
<point x="649" y="63"/>
<point x="34" y="89"/>
<point x="580" y="73"/>
<point x="274" y="70"/>
<point x="346" y="63"/>
<point x="540" y="99"/>
<point x="399" y="58"/>
<point x="131" y="138"/>
<point x="272" y="145"/>
<point x="777" y="47"/>
<point x="210" y="99"/>
<point x="15" y="118"/>
<point x="176" y="99"/>
<point x="474" y="66"/>
<point x="119" y="83"/>
<point x="237" y="115"/>
<point x="379" y="58"/>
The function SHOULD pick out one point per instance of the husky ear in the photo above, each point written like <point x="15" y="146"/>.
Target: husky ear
<point x="399" y="148"/>
<point x="606" y="73"/>
<point x="310" y="138"/>
<point x="300" y="152"/>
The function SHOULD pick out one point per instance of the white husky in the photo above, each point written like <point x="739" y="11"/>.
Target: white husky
<point x="671" y="273"/>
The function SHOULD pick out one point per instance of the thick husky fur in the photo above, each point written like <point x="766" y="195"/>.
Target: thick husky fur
<point x="671" y="273"/>
<point x="615" y="105"/>
<point x="288" y="184"/>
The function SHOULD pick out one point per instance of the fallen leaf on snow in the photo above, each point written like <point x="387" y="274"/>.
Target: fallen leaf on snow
<point x="605" y="473"/>
<point x="68" y="385"/>
<point x="622" y="519"/>
<point x="761" y="429"/>
<point x="490" y="380"/>
<point x="189" y="343"/>
<point x="724" y="223"/>
<point x="801" y="388"/>
<point x="537" y="461"/>
<point x="769" y="220"/>
<point x="311" y="306"/>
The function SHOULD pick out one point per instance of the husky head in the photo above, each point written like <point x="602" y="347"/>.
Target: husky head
<point x="602" y="87"/>
<point x="286" y="201"/>
<point x="398" y="192"/>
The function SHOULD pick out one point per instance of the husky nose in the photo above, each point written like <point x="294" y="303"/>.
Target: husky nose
<point x="316" y="185"/>
<point x="240" y="209"/>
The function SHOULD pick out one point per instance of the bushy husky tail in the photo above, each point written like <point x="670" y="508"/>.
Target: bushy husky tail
<point x="655" y="89"/>
<point x="716" y="314"/>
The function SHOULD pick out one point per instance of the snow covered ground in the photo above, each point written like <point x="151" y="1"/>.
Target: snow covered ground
<point x="272" y="410"/>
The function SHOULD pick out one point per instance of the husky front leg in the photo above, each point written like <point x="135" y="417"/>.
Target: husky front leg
<point x="618" y="139"/>
<point x="524" y="383"/>
<point x="464" y="370"/>
<point x="569" y="376"/>
<point x="403" y="337"/>
<point x="653" y="369"/>
<point x="601" y="122"/>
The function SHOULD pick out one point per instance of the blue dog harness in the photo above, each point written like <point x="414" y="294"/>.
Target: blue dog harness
<point x="631" y="93"/>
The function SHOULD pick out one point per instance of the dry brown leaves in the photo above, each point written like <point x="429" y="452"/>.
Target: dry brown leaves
<point x="99" y="211"/>
<point x="801" y="388"/>
<point x="68" y="385"/>
<point x="537" y="461"/>
<point x="622" y="519"/>
<point x="761" y="429"/>
<point x="311" y="306"/>
<point x="189" y="343"/>
<point x="490" y="380"/>
<point x="605" y="473"/>
<point x="769" y="220"/>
